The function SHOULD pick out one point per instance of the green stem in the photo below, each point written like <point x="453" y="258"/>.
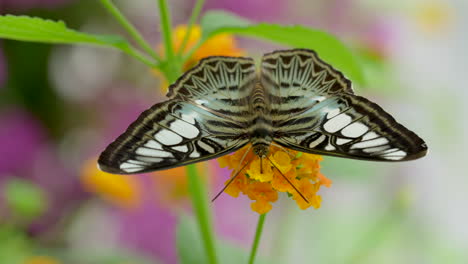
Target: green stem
<point x="258" y="233"/>
<point x="193" y="49"/>
<point x="193" y="18"/>
<point x="140" y="56"/>
<point x="166" y="29"/>
<point x="129" y="28"/>
<point x="200" y="205"/>
<point x="172" y="67"/>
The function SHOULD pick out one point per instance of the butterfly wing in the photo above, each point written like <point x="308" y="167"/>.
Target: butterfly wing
<point x="314" y="110"/>
<point x="201" y="120"/>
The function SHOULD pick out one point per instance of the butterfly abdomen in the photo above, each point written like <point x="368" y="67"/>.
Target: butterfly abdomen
<point x="260" y="134"/>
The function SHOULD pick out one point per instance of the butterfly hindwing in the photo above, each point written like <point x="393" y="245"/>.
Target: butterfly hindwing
<point x="313" y="109"/>
<point x="200" y="121"/>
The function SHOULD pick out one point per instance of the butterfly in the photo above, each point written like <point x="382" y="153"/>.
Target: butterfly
<point x="296" y="101"/>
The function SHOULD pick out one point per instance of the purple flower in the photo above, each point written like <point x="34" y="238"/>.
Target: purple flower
<point x="22" y="138"/>
<point x="27" y="153"/>
<point x="150" y="228"/>
<point x="258" y="10"/>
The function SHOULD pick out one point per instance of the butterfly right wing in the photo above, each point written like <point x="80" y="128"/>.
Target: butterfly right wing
<point x="204" y="118"/>
<point x="313" y="109"/>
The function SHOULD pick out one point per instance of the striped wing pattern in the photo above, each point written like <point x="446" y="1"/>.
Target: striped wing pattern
<point x="204" y="118"/>
<point x="313" y="109"/>
<point x="298" y="101"/>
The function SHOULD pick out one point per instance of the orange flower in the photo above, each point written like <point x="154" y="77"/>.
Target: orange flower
<point x="299" y="171"/>
<point x="219" y="45"/>
<point x="171" y="186"/>
<point x="120" y="190"/>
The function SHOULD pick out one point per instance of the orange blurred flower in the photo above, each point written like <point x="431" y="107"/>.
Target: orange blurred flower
<point x="434" y="16"/>
<point x="262" y="185"/>
<point x="218" y="45"/>
<point x="171" y="186"/>
<point x="120" y="190"/>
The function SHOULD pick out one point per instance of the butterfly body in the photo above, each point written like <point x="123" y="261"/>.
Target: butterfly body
<point x="296" y="101"/>
<point x="261" y="132"/>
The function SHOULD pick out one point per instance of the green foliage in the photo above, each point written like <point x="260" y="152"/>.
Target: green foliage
<point x="327" y="46"/>
<point x="24" y="198"/>
<point x="34" y="29"/>
<point x="190" y="250"/>
<point x="14" y="246"/>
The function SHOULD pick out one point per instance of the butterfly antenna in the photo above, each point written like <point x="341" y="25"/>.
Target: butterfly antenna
<point x="261" y="165"/>
<point x="286" y="178"/>
<point x="230" y="181"/>
<point x="237" y="173"/>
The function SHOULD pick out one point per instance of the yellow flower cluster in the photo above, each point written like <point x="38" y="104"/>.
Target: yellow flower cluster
<point x="219" y="45"/>
<point x="261" y="181"/>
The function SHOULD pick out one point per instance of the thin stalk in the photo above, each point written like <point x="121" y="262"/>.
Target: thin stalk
<point x="134" y="33"/>
<point x="193" y="49"/>
<point x="140" y="56"/>
<point x="200" y="205"/>
<point x="193" y="18"/>
<point x="165" y="17"/>
<point x="256" y="242"/>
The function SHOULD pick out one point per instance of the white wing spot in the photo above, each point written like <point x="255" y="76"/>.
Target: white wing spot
<point x="333" y="113"/>
<point x="206" y="147"/>
<point x="399" y="153"/>
<point x="130" y="167"/>
<point x="375" y="149"/>
<point x="185" y="129"/>
<point x="153" y="152"/>
<point x="341" y="141"/>
<point x="168" y="137"/>
<point x="188" y="118"/>
<point x="355" y="130"/>
<point x="182" y="148"/>
<point x="393" y="157"/>
<point x="153" y="144"/>
<point x="337" y="123"/>
<point x="370" y="135"/>
<point x="194" y="154"/>
<point x="330" y="147"/>
<point x="317" y="141"/>
<point x="149" y="159"/>
<point x="370" y="143"/>
<point x="390" y="151"/>
<point x="137" y="162"/>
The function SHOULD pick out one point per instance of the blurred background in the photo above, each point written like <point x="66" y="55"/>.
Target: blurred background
<point x="61" y="105"/>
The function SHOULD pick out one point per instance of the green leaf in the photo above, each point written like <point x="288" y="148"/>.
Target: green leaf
<point x="328" y="47"/>
<point x="36" y="29"/>
<point x="24" y="198"/>
<point x="190" y="250"/>
<point x="15" y="245"/>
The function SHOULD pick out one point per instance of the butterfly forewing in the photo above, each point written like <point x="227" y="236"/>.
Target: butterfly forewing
<point x="204" y="118"/>
<point x="313" y="109"/>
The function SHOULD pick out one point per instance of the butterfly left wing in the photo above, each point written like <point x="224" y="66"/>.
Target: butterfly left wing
<point x="204" y="118"/>
<point x="314" y="110"/>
